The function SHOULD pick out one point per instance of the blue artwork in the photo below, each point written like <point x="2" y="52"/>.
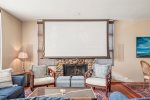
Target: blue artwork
<point x="143" y="47"/>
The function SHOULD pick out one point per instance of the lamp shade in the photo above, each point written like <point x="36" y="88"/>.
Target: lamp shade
<point x="23" y="55"/>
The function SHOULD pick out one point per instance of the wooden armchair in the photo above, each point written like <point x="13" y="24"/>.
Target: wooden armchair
<point x="146" y="70"/>
<point x="49" y="79"/>
<point x="97" y="82"/>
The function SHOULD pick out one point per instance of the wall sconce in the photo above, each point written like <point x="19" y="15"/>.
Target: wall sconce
<point x="22" y="56"/>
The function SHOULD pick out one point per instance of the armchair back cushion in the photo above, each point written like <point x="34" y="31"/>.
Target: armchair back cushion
<point x="5" y="78"/>
<point x="100" y="71"/>
<point x="40" y="71"/>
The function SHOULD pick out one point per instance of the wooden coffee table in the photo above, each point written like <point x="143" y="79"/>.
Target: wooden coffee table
<point x="74" y="93"/>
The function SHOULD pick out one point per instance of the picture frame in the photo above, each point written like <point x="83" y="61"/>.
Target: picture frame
<point x="143" y="47"/>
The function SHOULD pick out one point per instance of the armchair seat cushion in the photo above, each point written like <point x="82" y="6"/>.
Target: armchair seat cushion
<point x="146" y="77"/>
<point x="96" y="81"/>
<point x="45" y="80"/>
<point x="12" y="92"/>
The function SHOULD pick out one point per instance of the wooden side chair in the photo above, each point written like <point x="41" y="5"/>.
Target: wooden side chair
<point x="41" y="75"/>
<point x="146" y="70"/>
<point x="99" y="77"/>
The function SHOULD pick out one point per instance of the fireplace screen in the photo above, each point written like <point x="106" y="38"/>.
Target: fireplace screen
<point x="74" y="69"/>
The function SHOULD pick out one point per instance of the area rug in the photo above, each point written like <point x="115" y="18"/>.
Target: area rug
<point x="138" y="88"/>
<point x="100" y="93"/>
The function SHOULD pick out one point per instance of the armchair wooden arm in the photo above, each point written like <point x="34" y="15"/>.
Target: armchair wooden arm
<point x="88" y="73"/>
<point x="108" y="76"/>
<point x="108" y="81"/>
<point x="31" y="79"/>
<point x="51" y="72"/>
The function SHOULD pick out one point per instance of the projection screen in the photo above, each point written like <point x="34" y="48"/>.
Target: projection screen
<point x="69" y="39"/>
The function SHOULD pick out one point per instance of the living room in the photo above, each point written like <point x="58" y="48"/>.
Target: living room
<point x="93" y="47"/>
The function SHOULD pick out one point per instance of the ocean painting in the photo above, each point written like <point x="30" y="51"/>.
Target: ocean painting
<point x="143" y="47"/>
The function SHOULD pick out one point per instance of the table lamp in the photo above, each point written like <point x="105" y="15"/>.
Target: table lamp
<point x="22" y="56"/>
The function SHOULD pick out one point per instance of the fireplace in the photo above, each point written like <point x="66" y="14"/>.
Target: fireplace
<point x="74" y="69"/>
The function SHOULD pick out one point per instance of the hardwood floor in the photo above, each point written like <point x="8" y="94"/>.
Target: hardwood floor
<point x="116" y="86"/>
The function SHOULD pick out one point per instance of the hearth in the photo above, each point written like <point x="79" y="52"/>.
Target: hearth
<point x="74" y="69"/>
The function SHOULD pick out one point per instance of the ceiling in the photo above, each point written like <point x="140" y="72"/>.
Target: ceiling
<point x="77" y="9"/>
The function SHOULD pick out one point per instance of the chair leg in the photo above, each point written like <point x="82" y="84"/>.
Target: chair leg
<point x="85" y="85"/>
<point x="106" y="92"/>
<point x="93" y="88"/>
<point x="110" y="88"/>
<point x="31" y="88"/>
<point x="144" y="83"/>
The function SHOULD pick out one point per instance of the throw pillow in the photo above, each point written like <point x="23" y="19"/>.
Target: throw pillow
<point x="5" y="78"/>
<point x="39" y="71"/>
<point x="100" y="70"/>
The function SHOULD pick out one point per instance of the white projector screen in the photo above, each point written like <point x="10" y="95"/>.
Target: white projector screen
<point x="75" y="39"/>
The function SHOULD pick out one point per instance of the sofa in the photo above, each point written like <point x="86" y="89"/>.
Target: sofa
<point x="120" y="96"/>
<point x="15" y="91"/>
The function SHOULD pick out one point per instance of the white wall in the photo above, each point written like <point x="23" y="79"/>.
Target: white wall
<point x="126" y="62"/>
<point x="30" y="42"/>
<point x="11" y="41"/>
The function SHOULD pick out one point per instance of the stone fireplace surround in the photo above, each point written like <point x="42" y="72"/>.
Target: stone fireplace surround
<point x="61" y="62"/>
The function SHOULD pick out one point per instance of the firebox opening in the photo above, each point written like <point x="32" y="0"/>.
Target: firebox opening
<point x="74" y="69"/>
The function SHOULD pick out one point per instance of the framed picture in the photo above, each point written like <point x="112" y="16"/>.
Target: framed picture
<point x="143" y="47"/>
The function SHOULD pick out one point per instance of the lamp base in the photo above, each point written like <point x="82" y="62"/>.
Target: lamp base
<point x="23" y="63"/>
